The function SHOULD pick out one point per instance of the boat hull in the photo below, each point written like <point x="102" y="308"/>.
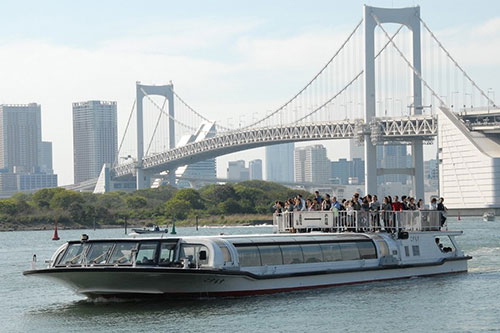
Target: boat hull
<point x="177" y="282"/>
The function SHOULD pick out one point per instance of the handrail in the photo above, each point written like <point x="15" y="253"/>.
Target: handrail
<point x="360" y="221"/>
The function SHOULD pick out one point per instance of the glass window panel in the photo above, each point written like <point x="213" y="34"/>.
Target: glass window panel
<point x="167" y="252"/>
<point x="331" y="252"/>
<point x="270" y="255"/>
<point x="312" y="253"/>
<point x="349" y="251"/>
<point x="74" y="254"/>
<point x="367" y="250"/>
<point x="191" y="252"/>
<point x="99" y="252"/>
<point x="249" y="256"/>
<point x="292" y="254"/>
<point x="122" y="254"/>
<point x="416" y="250"/>
<point x="146" y="254"/>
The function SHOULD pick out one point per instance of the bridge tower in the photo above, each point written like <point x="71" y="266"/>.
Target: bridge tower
<point x="166" y="91"/>
<point x="410" y="17"/>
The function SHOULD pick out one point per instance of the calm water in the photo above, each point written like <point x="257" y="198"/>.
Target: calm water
<point x="459" y="303"/>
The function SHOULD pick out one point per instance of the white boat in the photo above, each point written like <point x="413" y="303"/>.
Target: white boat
<point x="488" y="216"/>
<point x="152" y="230"/>
<point x="225" y="265"/>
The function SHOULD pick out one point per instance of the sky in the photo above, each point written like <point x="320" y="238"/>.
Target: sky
<point x="231" y="60"/>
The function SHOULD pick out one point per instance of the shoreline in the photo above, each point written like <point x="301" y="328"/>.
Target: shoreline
<point x="229" y="221"/>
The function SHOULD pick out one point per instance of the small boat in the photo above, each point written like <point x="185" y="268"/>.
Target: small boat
<point x="309" y="250"/>
<point x="153" y="230"/>
<point x="488" y="216"/>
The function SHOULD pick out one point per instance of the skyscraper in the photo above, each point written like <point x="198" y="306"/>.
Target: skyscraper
<point x="25" y="161"/>
<point x="255" y="169"/>
<point x="279" y="162"/>
<point x="21" y="137"/>
<point x="312" y="165"/>
<point x="95" y="138"/>
<point x="236" y="170"/>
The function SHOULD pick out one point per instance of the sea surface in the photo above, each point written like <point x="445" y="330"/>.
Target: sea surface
<point x="467" y="302"/>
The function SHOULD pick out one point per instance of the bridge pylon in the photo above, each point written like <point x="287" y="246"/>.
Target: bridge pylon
<point x="410" y="17"/>
<point x="167" y="91"/>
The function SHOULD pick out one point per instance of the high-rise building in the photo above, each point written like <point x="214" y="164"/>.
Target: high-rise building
<point x="255" y="169"/>
<point x="392" y="157"/>
<point x="25" y="161"/>
<point x="312" y="165"/>
<point x="236" y="170"/>
<point x="21" y="137"/>
<point x="95" y="138"/>
<point x="349" y="172"/>
<point x="355" y="150"/>
<point x="279" y="163"/>
<point x="46" y="159"/>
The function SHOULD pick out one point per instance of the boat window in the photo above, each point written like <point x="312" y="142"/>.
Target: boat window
<point x="122" y="254"/>
<point x="349" y="251"/>
<point x="292" y="254"/>
<point x="249" y="256"/>
<point x="312" y="253"/>
<point x="270" y="255"/>
<point x="167" y="252"/>
<point x="367" y="250"/>
<point x="191" y="252"/>
<point x="331" y="252"/>
<point x="74" y="254"/>
<point x="99" y="252"/>
<point x="407" y="250"/>
<point x="225" y="251"/>
<point x="416" y="250"/>
<point x="146" y="254"/>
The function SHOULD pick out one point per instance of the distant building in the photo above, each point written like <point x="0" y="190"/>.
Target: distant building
<point x="25" y="161"/>
<point x="349" y="172"/>
<point x="46" y="159"/>
<point x="280" y="163"/>
<point x="312" y="165"/>
<point x="431" y="172"/>
<point x="236" y="170"/>
<point x="356" y="151"/>
<point x="95" y="138"/>
<point x="20" y="137"/>
<point x="393" y="157"/>
<point x="255" y="169"/>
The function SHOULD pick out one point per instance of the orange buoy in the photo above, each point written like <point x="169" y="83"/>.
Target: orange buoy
<point x="56" y="236"/>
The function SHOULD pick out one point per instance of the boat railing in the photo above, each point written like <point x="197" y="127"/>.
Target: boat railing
<point x="359" y="221"/>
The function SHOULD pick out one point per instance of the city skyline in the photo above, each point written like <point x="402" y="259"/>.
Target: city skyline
<point x="56" y="67"/>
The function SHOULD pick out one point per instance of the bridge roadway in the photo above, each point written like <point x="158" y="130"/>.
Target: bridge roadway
<point x="403" y="129"/>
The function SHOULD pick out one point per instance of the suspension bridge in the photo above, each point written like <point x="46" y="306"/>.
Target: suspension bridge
<point x="385" y="84"/>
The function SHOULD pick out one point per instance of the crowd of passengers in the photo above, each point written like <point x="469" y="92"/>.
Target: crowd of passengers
<point x="368" y="203"/>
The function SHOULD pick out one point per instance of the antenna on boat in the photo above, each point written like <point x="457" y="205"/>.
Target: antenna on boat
<point x="56" y="236"/>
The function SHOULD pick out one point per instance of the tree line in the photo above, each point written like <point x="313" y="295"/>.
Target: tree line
<point x="52" y="205"/>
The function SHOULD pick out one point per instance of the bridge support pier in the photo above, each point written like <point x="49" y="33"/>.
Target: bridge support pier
<point x="417" y="154"/>
<point x="166" y="91"/>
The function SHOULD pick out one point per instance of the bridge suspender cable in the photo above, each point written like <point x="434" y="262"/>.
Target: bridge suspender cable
<point x="125" y="133"/>
<point x="310" y="82"/>
<point x="348" y="84"/>
<point x="457" y="65"/>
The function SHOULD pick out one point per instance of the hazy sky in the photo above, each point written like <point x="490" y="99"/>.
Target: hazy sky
<point x="228" y="59"/>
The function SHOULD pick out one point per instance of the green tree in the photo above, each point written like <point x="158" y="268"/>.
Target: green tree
<point x="63" y="199"/>
<point x="136" y="201"/>
<point x="230" y="206"/>
<point x="191" y="196"/>
<point x="42" y="198"/>
<point x="8" y="207"/>
<point x="177" y="208"/>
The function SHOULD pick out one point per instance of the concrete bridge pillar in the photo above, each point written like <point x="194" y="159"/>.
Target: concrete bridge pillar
<point x="411" y="18"/>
